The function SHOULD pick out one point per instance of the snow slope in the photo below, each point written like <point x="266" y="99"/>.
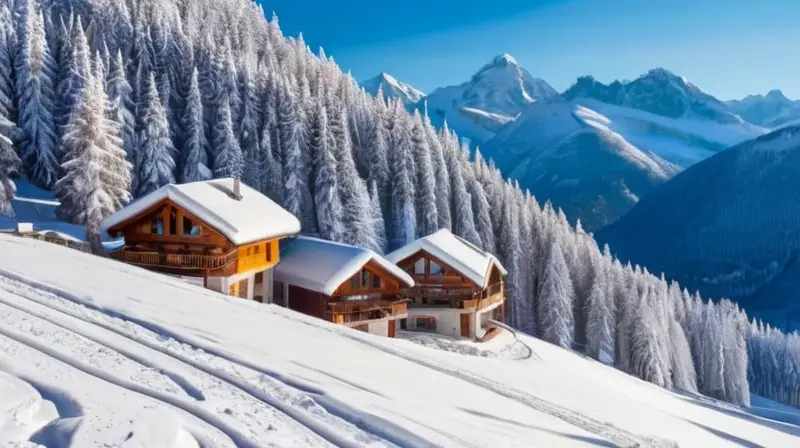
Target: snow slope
<point x="492" y="98"/>
<point x="97" y="353"/>
<point x="726" y="226"/>
<point x="392" y="88"/>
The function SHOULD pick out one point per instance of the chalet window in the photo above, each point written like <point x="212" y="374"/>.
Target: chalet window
<point x="436" y="269"/>
<point x="256" y="249"/>
<point x="157" y="225"/>
<point x="355" y="282"/>
<point x="190" y="228"/>
<point x="376" y="281"/>
<point x="365" y="278"/>
<point x="259" y="278"/>
<point x="419" y="267"/>
<point x="269" y="252"/>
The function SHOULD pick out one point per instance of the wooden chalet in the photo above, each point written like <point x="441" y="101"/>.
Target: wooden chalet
<point x="342" y="284"/>
<point x="218" y="233"/>
<point x="458" y="287"/>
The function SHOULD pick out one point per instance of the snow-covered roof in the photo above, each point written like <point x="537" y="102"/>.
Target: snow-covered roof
<point x="253" y="218"/>
<point x="322" y="266"/>
<point x="469" y="260"/>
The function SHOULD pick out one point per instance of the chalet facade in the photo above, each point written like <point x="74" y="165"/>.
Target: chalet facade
<point x="219" y="233"/>
<point x="458" y="287"/>
<point x="342" y="284"/>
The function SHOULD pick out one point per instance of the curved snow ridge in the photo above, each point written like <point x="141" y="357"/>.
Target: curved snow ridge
<point x="616" y="435"/>
<point x="293" y="397"/>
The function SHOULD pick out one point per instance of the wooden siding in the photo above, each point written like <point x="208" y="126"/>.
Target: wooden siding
<point x="258" y="256"/>
<point x="389" y="283"/>
<point x="307" y="302"/>
<point x="449" y="276"/>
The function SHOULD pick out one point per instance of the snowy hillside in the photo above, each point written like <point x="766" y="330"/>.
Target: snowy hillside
<point x="771" y="110"/>
<point x="726" y="226"/>
<point x="392" y="88"/>
<point x="494" y="97"/>
<point x="96" y="353"/>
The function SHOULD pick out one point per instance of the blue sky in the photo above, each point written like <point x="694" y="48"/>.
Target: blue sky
<point x="729" y="48"/>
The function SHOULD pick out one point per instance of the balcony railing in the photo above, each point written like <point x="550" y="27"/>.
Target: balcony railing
<point x="353" y="311"/>
<point x="177" y="261"/>
<point x="455" y="298"/>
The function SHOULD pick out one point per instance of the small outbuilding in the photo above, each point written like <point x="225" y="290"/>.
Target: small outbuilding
<point x="342" y="284"/>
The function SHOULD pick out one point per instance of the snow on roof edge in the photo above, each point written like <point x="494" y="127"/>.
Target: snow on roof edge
<point x="342" y="274"/>
<point x="238" y="236"/>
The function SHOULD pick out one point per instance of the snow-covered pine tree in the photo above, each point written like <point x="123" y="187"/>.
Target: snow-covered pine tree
<point x="9" y="167"/>
<point x="77" y="75"/>
<point x="35" y="69"/>
<point x="403" y="226"/>
<point x="326" y="188"/>
<point x="463" y="218"/>
<point x="427" y="216"/>
<point x="442" y="176"/>
<point x="96" y="179"/>
<point x="555" y="300"/>
<point x="646" y="362"/>
<point x="358" y="221"/>
<point x="272" y="171"/>
<point x="154" y="166"/>
<point x="228" y="160"/>
<point x="120" y="97"/>
<point x="377" y="216"/>
<point x="249" y="135"/>
<point x="296" y="189"/>
<point x="7" y="105"/>
<point x="194" y="154"/>
<point x="600" y="312"/>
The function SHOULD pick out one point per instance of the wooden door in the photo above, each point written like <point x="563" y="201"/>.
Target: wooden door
<point x="465" y="325"/>
<point x="392" y="328"/>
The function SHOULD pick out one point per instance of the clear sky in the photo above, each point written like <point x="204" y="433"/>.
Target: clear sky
<point x="729" y="48"/>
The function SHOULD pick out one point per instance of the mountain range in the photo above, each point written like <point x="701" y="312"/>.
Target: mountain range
<point x="392" y="88"/>
<point x="637" y="134"/>
<point x="727" y="226"/>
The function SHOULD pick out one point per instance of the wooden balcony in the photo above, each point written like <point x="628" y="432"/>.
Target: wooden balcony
<point x="224" y="264"/>
<point x="455" y="298"/>
<point x="355" y="311"/>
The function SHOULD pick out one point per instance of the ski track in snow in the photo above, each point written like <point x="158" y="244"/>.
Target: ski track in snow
<point x="162" y="359"/>
<point x="618" y="436"/>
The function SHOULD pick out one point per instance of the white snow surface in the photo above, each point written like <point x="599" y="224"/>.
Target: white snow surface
<point x="467" y="259"/>
<point x="255" y="217"/>
<point x="322" y="266"/>
<point x="96" y="353"/>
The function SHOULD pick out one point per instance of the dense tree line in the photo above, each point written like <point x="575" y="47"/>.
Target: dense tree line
<point x="103" y="101"/>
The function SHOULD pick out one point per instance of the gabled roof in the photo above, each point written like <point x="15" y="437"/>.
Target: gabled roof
<point x="322" y="266"/>
<point x="463" y="256"/>
<point x="253" y="218"/>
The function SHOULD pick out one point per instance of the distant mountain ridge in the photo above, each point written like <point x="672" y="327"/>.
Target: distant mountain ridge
<point x="727" y="226"/>
<point x="771" y="110"/>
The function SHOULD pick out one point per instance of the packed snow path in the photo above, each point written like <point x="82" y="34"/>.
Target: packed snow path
<point x="95" y="352"/>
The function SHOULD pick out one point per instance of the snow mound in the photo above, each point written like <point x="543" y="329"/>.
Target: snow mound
<point x="144" y="358"/>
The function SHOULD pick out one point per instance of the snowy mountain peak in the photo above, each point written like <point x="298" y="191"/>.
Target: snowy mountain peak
<point x="776" y="94"/>
<point x="772" y="110"/>
<point x="393" y="88"/>
<point x="503" y="60"/>
<point x="658" y="91"/>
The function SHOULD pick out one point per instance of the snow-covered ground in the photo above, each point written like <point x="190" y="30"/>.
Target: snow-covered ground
<point x="98" y="353"/>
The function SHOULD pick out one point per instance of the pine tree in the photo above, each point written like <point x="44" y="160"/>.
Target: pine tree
<point x="120" y="97"/>
<point x="404" y="221"/>
<point x="154" y="165"/>
<point x="194" y="154"/>
<point x="228" y="160"/>
<point x="96" y="182"/>
<point x="9" y="167"/>
<point x="249" y="135"/>
<point x="326" y="189"/>
<point x="296" y="188"/>
<point x="77" y="75"/>
<point x="555" y="301"/>
<point x="463" y="218"/>
<point x="34" y="89"/>
<point x="7" y="107"/>
<point x="600" y="312"/>
<point x="377" y="217"/>
<point x="646" y="361"/>
<point x="427" y="215"/>
<point x="442" y="176"/>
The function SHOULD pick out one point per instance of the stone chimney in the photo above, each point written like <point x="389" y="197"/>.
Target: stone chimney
<point x="236" y="194"/>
